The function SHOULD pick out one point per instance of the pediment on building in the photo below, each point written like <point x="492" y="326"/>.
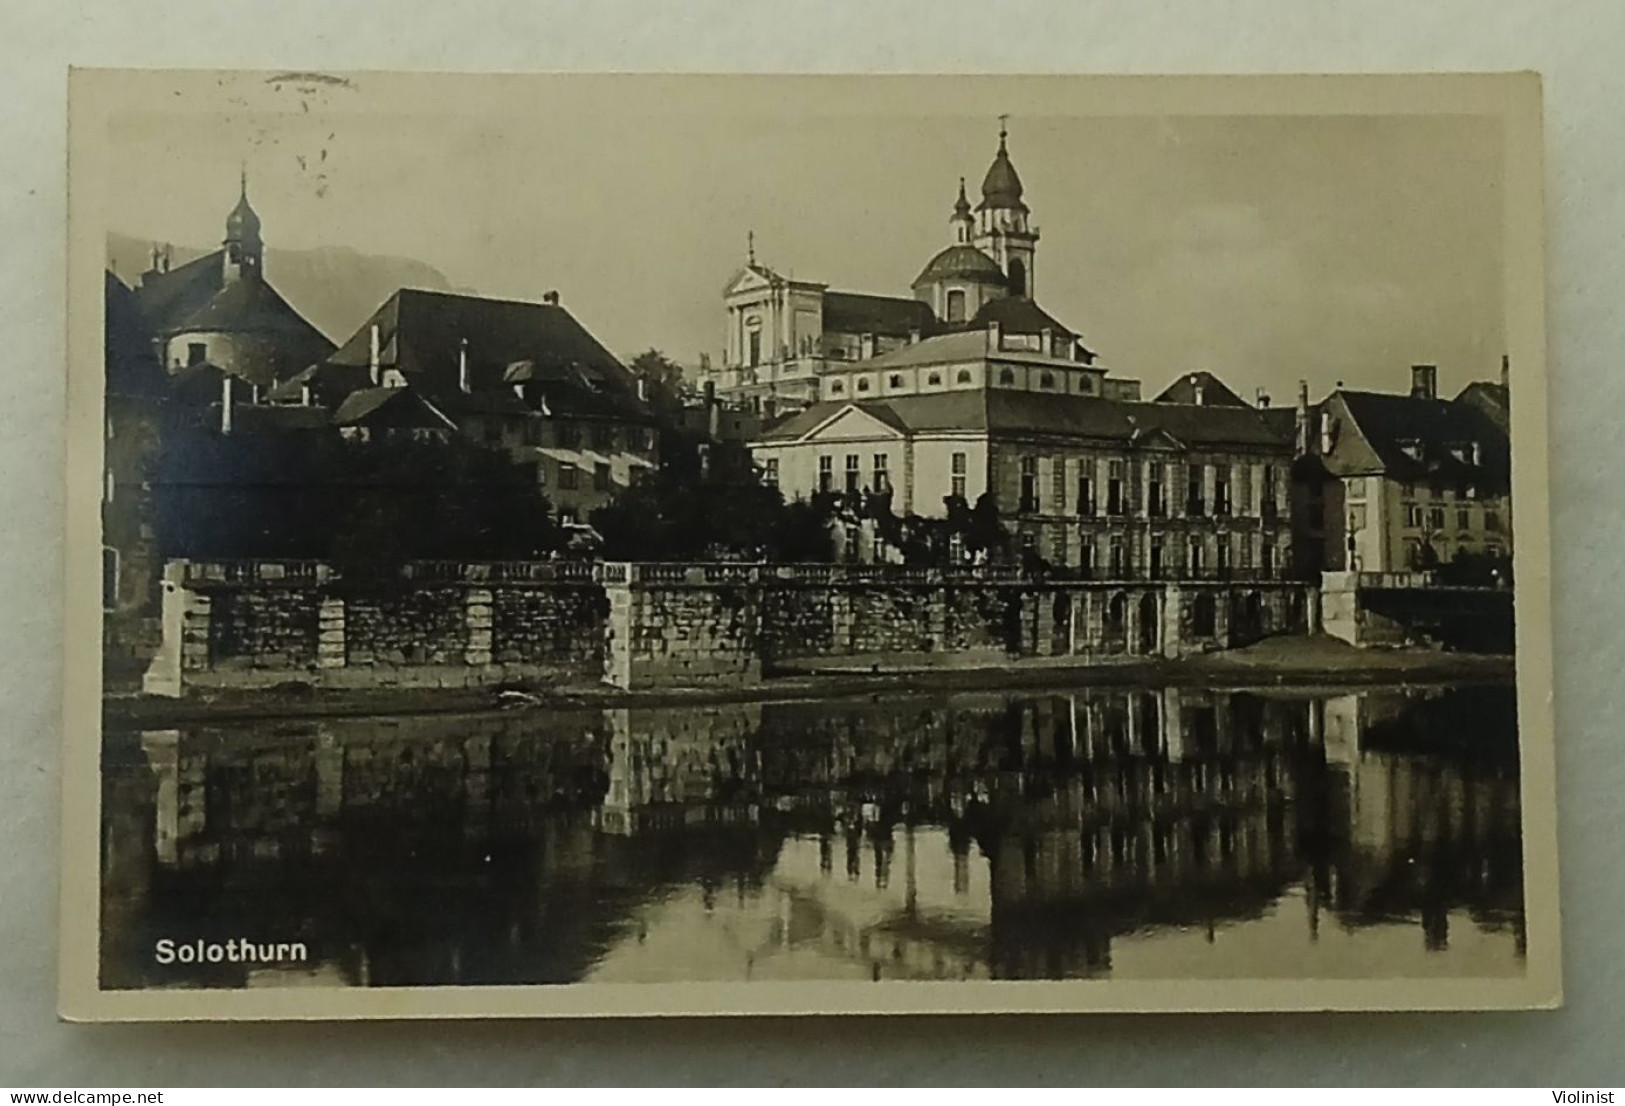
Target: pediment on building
<point x="1156" y="440"/>
<point x="853" y="423"/>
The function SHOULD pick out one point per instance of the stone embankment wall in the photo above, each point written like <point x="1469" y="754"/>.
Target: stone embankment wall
<point x="643" y="626"/>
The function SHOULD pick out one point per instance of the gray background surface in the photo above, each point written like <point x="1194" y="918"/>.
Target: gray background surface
<point x="1576" y="45"/>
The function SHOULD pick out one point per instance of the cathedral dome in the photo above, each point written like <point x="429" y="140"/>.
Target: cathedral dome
<point x="962" y="262"/>
<point x="1001" y="187"/>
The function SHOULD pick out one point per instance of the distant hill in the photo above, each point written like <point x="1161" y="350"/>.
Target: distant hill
<point x="335" y="287"/>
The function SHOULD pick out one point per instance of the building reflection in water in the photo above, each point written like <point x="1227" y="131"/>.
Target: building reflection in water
<point x="1012" y="835"/>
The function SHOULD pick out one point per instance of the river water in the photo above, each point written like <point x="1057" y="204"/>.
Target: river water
<point x="1161" y="833"/>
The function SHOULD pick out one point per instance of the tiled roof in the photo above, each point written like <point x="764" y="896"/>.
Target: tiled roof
<point x="961" y="261"/>
<point x="860" y="313"/>
<point x="253" y="306"/>
<point x="1215" y="393"/>
<point x="422" y="335"/>
<point x="166" y="298"/>
<point x="1413" y="438"/>
<point x="1008" y="412"/>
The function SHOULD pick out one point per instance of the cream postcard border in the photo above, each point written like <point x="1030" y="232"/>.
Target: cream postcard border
<point x="95" y="95"/>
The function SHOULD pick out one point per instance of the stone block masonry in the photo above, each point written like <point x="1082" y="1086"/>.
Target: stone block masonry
<point x="659" y="626"/>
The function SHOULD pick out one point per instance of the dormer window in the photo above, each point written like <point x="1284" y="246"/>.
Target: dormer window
<point x="863" y="384"/>
<point x="963" y="377"/>
<point x="1412" y="449"/>
<point x="1007" y="377"/>
<point x="934" y="379"/>
<point x="1046" y="380"/>
<point x="896" y="380"/>
<point x="836" y="388"/>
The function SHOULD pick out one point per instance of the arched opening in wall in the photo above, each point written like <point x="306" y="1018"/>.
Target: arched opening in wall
<point x="1150" y="723"/>
<point x="1116" y="621"/>
<point x="1204" y="615"/>
<point x="1245" y="618"/>
<point x="1296" y="622"/>
<point x="1018" y="277"/>
<point x="1061" y="621"/>
<point x="1150" y="619"/>
<point x="956" y="305"/>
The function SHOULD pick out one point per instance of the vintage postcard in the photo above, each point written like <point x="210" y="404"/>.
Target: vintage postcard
<point x="599" y="545"/>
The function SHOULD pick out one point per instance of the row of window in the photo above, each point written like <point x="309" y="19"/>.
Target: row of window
<point x="569" y="435"/>
<point x="1229" y="496"/>
<point x="603" y="479"/>
<point x="1217" y="553"/>
<point x="1433" y="518"/>
<point x="852" y="475"/>
<point x="1357" y="488"/>
<point x="1047" y="381"/>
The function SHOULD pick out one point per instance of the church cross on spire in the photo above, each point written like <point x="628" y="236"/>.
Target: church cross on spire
<point x="1004" y="129"/>
<point x="750" y="246"/>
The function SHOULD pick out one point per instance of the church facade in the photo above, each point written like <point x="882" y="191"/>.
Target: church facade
<point x="792" y="343"/>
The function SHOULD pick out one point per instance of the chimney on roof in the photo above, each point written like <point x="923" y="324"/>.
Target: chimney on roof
<point x="643" y="388"/>
<point x="462" y="365"/>
<point x="1261" y="397"/>
<point x="1327" y="433"/>
<point x="551" y="297"/>
<point x="1198" y="392"/>
<point x="1301" y="422"/>
<point x="168" y="252"/>
<point x="372" y="354"/>
<point x="1506" y="371"/>
<point x="995" y="337"/>
<point x="304" y="395"/>
<point x="225" y="403"/>
<point x="1477" y="453"/>
<point x="913" y="335"/>
<point x="1424" y="382"/>
<point x="866" y="346"/>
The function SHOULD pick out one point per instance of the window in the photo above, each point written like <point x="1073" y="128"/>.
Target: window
<point x="1155" y="564"/>
<point x="1197" y="559"/>
<point x="1435" y="518"/>
<point x="541" y="474"/>
<point x="1492" y="521"/>
<point x="836" y="387"/>
<point x="755" y="356"/>
<point x="1246" y="551"/>
<point x="1155" y="503"/>
<point x="1267" y="500"/>
<point x="826" y="473"/>
<point x="1356" y="487"/>
<point x="863" y="383"/>
<point x="1029" y="483"/>
<point x="1058" y="484"/>
<point x="956" y="305"/>
<point x="1194" y="499"/>
<point x="1221" y="554"/>
<point x="196" y="353"/>
<point x="601" y="479"/>
<point x="1086" y="555"/>
<point x="1221" y="490"/>
<point x="959" y="469"/>
<point x="1244" y="490"/>
<point x="1086" y="488"/>
<point x="934" y="380"/>
<point x="963" y="377"/>
<point x="854" y="475"/>
<point x="603" y="437"/>
<point x="896" y="380"/>
<point x="1114" y="488"/>
<point x="1204" y="616"/>
<point x="1046" y="380"/>
<point x="570" y="436"/>
<point x="1413" y="516"/>
<point x="1266" y="558"/>
<point x="1464" y="518"/>
<point x="770" y="472"/>
<point x="882" y="479"/>
<point x="1118" y="560"/>
<point x="1018" y="277"/>
<point x="110" y="575"/>
<point x="569" y="478"/>
<point x="1007" y="377"/>
<point x="1356" y="517"/>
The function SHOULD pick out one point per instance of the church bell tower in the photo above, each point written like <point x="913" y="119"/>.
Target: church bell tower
<point x="1003" y="231"/>
<point x="244" y="249"/>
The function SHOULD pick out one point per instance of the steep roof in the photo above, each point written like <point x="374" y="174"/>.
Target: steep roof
<point x="861" y="313"/>
<point x="1019" y="315"/>
<point x="1215" y="393"/>
<point x="167" y="298"/>
<point x="422" y="334"/>
<point x="253" y="306"/>
<point x="1408" y="437"/>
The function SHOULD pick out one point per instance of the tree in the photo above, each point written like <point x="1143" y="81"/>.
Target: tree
<point x="663" y="379"/>
<point x="366" y="505"/>
<point x="979" y="528"/>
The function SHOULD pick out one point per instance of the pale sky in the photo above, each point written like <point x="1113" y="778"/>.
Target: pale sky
<point x="1263" y="248"/>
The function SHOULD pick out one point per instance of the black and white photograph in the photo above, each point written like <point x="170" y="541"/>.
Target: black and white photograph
<point x="580" y="545"/>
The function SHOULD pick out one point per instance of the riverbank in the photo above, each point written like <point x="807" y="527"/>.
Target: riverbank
<point x="1316" y="661"/>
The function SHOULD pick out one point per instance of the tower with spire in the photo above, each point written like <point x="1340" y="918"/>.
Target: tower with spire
<point x="1003" y="230"/>
<point x="244" y="250"/>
